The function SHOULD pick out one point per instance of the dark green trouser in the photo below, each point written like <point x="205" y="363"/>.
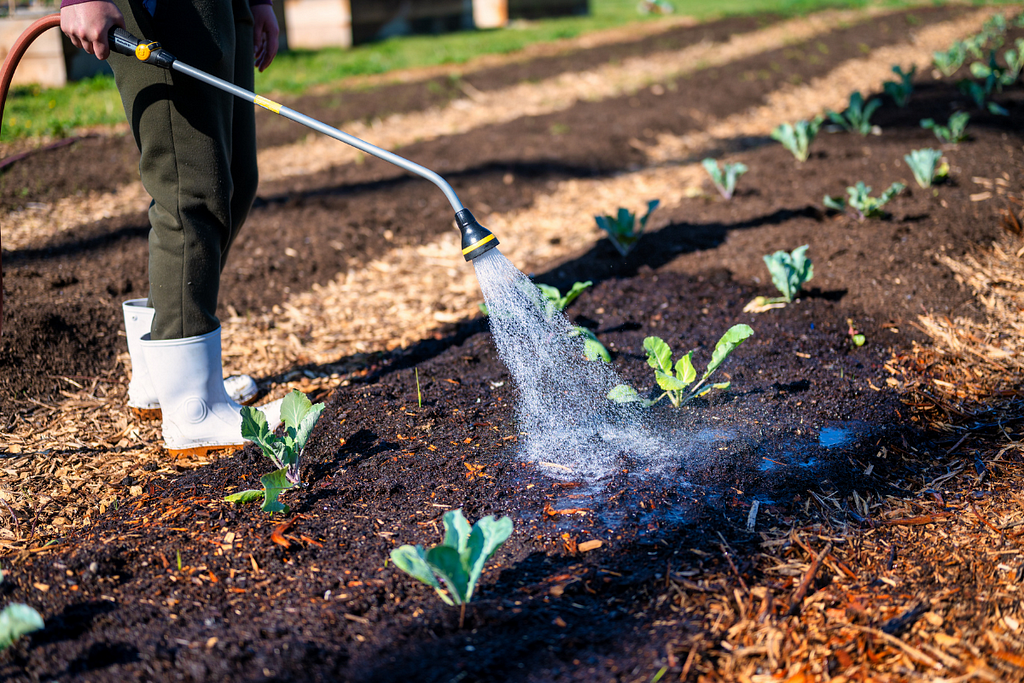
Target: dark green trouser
<point x="198" y="149"/>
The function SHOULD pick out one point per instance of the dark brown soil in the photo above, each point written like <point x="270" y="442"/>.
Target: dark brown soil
<point x="151" y="592"/>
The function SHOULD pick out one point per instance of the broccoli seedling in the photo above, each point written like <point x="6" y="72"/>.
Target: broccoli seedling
<point x="453" y="567"/>
<point x="924" y="164"/>
<point x="1014" y="58"/>
<point x="623" y="229"/>
<point x="857" y="116"/>
<point x="790" y="271"/>
<point x="299" y="416"/>
<point x="901" y="90"/>
<point x="797" y="137"/>
<point x="725" y="177"/>
<point x="954" y="133"/>
<point x="994" y="75"/>
<point x="676" y="379"/>
<point x="950" y="61"/>
<point x="17" y="620"/>
<point x="861" y="202"/>
<point x="554" y="301"/>
<point x="992" y="79"/>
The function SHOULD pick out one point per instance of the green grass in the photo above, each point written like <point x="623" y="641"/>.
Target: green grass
<point x="58" y="111"/>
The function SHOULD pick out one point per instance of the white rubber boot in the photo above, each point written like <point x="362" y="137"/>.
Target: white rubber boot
<point x="198" y="414"/>
<point x="142" y="399"/>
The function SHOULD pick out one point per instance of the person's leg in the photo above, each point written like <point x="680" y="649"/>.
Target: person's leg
<point x="184" y="131"/>
<point x="244" y="173"/>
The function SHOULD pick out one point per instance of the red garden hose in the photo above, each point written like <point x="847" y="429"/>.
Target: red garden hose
<point x="6" y="74"/>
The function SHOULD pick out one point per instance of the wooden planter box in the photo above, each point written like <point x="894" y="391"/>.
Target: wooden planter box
<point x="314" y="24"/>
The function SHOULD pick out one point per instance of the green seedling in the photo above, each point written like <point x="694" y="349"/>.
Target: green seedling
<point x="979" y="94"/>
<point x="419" y="393"/>
<point x="453" y="567"/>
<point x="950" y="61"/>
<point x="1014" y="58"/>
<point x="725" y="177"/>
<point x="624" y="230"/>
<point x="974" y="45"/>
<point x="996" y="26"/>
<point x="790" y="271"/>
<point x="924" y="164"/>
<point x="17" y="620"/>
<point x="592" y="348"/>
<point x="675" y="380"/>
<point x="299" y="416"/>
<point x="994" y="75"/>
<point x="555" y="302"/>
<point x="952" y="134"/>
<point x="857" y="116"/>
<point x="797" y="137"/>
<point x="901" y="90"/>
<point x="861" y="204"/>
<point x="992" y="79"/>
<point x="552" y="302"/>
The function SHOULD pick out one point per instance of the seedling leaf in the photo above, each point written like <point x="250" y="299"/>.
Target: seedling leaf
<point x="669" y="382"/>
<point x="790" y="271"/>
<point x="735" y="336"/>
<point x="487" y="536"/>
<point x="923" y="164"/>
<point x="659" y="354"/>
<point x="413" y="561"/>
<point x="17" y="620"/>
<point x="459" y="561"/>
<point x="623" y="393"/>
<point x="623" y="229"/>
<point x="797" y="137"/>
<point x="273" y="484"/>
<point x="685" y="371"/>
<point x="250" y="496"/>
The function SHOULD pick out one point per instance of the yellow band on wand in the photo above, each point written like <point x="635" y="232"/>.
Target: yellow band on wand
<point x="269" y="105"/>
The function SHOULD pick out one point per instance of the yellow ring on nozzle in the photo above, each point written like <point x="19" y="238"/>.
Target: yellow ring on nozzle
<point x="142" y="51"/>
<point x="477" y="244"/>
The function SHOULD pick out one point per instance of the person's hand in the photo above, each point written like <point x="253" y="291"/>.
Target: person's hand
<point x="88" y="23"/>
<point x="264" y="35"/>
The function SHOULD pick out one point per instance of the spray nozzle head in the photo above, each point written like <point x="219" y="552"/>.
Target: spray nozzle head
<point x="476" y="239"/>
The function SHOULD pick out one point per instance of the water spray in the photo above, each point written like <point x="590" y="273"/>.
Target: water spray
<point x="476" y="239"/>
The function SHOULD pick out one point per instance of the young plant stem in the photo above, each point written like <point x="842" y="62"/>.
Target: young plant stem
<point x="419" y="394"/>
<point x="462" y="616"/>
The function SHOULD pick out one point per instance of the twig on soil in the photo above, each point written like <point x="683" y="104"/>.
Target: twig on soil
<point x="985" y="521"/>
<point x="728" y="556"/>
<point x="805" y="583"/>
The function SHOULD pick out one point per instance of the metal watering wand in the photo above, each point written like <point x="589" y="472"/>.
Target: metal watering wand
<point x="476" y="239"/>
